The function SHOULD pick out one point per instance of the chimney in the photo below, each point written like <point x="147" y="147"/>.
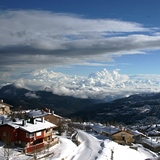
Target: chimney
<point x="33" y="121"/>
<point x="42" y="119"/>
<point x="53" y="112"/>
<point x="24" y="122"/>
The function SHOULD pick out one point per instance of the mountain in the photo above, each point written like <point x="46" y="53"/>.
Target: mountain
<point x="27" y="99"/>
<point x="140" y="108"/>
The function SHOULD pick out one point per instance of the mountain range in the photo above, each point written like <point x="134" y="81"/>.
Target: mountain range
<point x="26" y="99"/>
<point x="139" y="108"/>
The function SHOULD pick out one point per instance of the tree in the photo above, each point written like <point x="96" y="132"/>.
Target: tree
<point x="7" y="137"/>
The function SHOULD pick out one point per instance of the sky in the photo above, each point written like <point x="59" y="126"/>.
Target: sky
<point x="93" y="48"/>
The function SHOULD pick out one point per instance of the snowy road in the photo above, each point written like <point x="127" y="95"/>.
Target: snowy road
<point x="88" y="149"/>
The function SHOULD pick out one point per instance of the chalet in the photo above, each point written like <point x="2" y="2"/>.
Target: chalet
<point x="4" y="108"/>
<point x="123" y="137"/>
<point x="54" y="118"/>
<point x="127" y="136"/>
<point x="32" y="134"/>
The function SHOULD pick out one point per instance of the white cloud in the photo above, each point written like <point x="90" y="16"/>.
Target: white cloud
<point x="103" y="84"/>
<point x="40" y="39"/>
<point x="31" y="95"/>
<point x="34" y="39"/>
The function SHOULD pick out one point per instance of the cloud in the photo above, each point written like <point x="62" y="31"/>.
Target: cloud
<point x="108" y="85"/>
<point x="31" y="95"/>
<point x="36" y="39"/>
<point x="32" y="41"/>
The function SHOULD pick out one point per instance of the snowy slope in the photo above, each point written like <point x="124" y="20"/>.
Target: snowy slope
<point x="91" y="148"/>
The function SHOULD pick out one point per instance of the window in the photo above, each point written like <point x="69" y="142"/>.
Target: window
<point x="38" y="134"/>
<point x="4" y="133"/>
<point x="29" y="135"/>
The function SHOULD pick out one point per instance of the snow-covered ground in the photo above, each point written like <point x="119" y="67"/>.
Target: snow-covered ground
<point x="91" y="148"/>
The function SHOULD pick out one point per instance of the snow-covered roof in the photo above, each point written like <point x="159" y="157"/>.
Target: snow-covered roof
<point x="136" y="133"/>
<point x="105" y="129"/>
<point x="36" y="114"/>
<point x="55" y="115"/>
<point x="2" y="104"/>
<point x="152" y="141"/>
<point x="30" y="127"/>
<point x="154" y="132"/>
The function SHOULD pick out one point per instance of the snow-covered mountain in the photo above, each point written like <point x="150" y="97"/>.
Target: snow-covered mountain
<point x="139" y="108"/>
<point x="27" y="99"/>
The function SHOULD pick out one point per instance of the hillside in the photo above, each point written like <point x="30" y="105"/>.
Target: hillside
<point x="62" y="105"/>
<point x="140" y="108"/>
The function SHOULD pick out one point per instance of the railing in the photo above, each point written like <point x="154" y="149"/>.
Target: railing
<point x="34" y="148"/>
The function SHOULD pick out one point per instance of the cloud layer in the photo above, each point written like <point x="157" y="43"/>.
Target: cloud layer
<point x="38" y="39"/>
<point x="34" y="40"/>
<point x="100" y="85"/>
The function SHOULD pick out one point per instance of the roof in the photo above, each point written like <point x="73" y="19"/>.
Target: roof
<point x="10" y="125"/>
<point x="2" y="103"/>
<point x="29" y="127"/>
<point x="55" y="115"/>
<point x="38" y="126"/>
<point x="136" y="133"/>
<point x="105" y="129"/>
<point x="126" y="131"/>
<point x="36" y="114"/>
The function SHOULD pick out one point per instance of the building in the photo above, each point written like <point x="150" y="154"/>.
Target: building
<point x="32" y="135"/>
<point x="5" y="108"/>
<point x="54" y="118"/>
<point x="127" y="137"/>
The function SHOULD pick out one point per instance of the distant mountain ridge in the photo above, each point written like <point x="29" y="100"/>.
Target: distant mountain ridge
<point x="27" y="99"/>
<point x="139" y="108"/>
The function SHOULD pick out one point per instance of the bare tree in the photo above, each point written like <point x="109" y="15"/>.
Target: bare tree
<point x="7" y="137"/>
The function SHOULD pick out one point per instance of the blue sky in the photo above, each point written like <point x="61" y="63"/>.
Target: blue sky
<point x="79" y="38"/>
<point x="144" y="12"/>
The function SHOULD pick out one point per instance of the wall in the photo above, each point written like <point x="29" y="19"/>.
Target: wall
<point x="123" y="136"/>
<point x="53" y="119"/>
<point x="11" y="133"/>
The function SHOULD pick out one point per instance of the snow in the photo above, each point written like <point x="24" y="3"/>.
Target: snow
<point x="29" y="127"/>
<point x="92" y="147"/>
<point x="105" y="129"/>
<point x="152" y="141"/>
<point x="37" y="114"/>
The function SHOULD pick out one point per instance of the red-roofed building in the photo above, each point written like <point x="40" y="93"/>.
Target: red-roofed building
<point x="30" y="136"/>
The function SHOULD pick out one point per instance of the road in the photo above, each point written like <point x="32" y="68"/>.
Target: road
<point x="89" y="148"/>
